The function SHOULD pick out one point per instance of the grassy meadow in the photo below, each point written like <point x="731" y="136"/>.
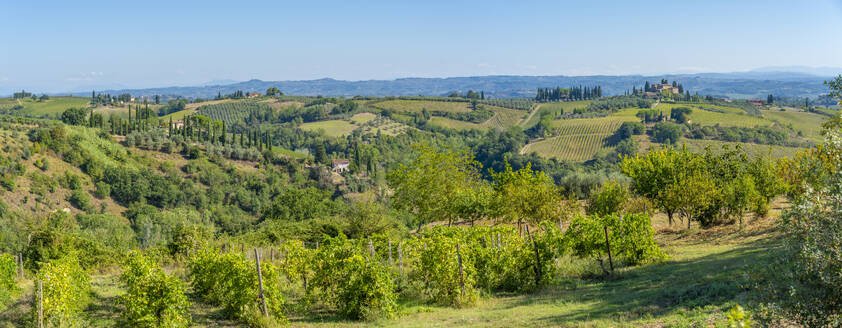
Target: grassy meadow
<point x="52" y="107"/>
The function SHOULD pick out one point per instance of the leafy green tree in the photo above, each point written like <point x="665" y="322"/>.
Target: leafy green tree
<point x="627" y="147"/>
<point x="526" y="196"/>
<point x="680" y="114"/>
<point x="74" y="116"/>
<point x="608" y="199"/>
<point x="654" y="174"/>
<point x="668" y="132"/>
<point x="367" y="218"/>
<point x="273" y="91"/>
<point x="295" y="204"/>
<point x="428" y="184"/>
<point x="803" y="283"/>
<point x="153" y="299"/>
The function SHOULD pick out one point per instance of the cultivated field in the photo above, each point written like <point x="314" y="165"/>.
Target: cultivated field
<point x="419" y="105"/>
<point x="732" y="116"/>
<point x="810" y="124"/>
<point x="365" y="122"/>
<point x="503" y="118"/>
<point x="577" y="140"/>
<point x="555" y="109"/>
<point x="53" y="106"/>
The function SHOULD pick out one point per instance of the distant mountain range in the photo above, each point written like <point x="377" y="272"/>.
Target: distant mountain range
<point x="792" y="81"/>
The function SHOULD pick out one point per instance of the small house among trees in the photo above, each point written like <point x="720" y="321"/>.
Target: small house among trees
<point x="341" y="165"/>
<point x="757" y="102"/>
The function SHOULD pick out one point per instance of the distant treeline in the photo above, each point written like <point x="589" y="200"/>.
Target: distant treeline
<point x="571" y="93"/>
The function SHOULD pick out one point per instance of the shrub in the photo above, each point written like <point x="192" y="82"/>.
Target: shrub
<point x="152" y="299"/>
<point x="360" y="288"/>
<point x="229" y="280"/>
<point x="103" y="190"/>
<point x="667" y="132"/>
<point x="65" y="290"/>
<point x="804" y="284"/>
<point x="8" y="288"/>
<point x="81" y="200"/>
<point x="438" y="268"/>
<point x="631" y="237"/>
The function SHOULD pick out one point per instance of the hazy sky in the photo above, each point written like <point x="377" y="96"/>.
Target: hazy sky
<point x="70" y="45"/>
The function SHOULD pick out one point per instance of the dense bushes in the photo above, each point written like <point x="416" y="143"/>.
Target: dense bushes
<point x="619" y="102"/>
<point x="360" y="287"/>
<point x="65" y="293"/>
<point x="803" y="283"/>
<point x="153" y="299"/>
<point x="74" y="116"/>
<point x="667" y="132"/>
<point x="759" y="135"/>
<point x="231" y="281"/>
<point x="8" y="272"/>
<point x="631" y="237"/>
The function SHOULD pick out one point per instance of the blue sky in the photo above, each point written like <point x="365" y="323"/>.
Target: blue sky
<point x="67" y="45"/>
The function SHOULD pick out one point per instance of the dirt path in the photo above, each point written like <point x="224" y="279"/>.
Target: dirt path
<point x="529" y="117"/>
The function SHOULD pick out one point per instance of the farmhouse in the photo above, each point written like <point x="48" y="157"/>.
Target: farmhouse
<point x="252" y="94"/>
<point x="661" y="87"/>
<point x="757" y="102"/>
<point x="341" y="165"/>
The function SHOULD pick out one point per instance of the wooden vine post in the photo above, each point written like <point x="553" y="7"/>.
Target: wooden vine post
<point x="400" y="257"/>
<point x="40" y="305"/>
<point x="390" y="252"/>
<point x="461" y="272"/>
<point x="260" y="282"/>
<point x="608" y="245"/>
<point x="537" y="259"/>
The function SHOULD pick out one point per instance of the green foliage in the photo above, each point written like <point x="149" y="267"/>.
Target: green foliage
<point x="438" y="269"/>
<point x="804" y="284"/>
<point x="75" y="116"/>
<point x="153" y="298"/>
<point x="231" y="281"/>
<point x="667" y="132"/>
<point x="526" y="195"/>
<point x="65" y="290"/>
<point x="50" y="241"/>
<point x="8" y="286"/>
<point x="627" y="147"/>
<point x="367" y="218"/>
<point x="631" y="236"/>
<point x="608" y="199"/>
<point x="360" y="287"/>
<point x="300" y="204"/>
<point x="709" y="188"/>
<point x="428" y="184"/>
<point x="81" y="200"/>
<point x="680" y="114"/>
<point x="738" y="317"/>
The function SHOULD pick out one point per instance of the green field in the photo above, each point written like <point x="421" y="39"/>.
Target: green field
<point x="53" y="106"/>
<point x="577" y="139"/>
<point x="419" y="105"/>
<point x="732" y="117"/>
<point x="331" y="128"/>
<point x="366" y="122"/>
<point x="810" y="124"/>
<point x="503" y="118"/>
<point x="555" y="109"/>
